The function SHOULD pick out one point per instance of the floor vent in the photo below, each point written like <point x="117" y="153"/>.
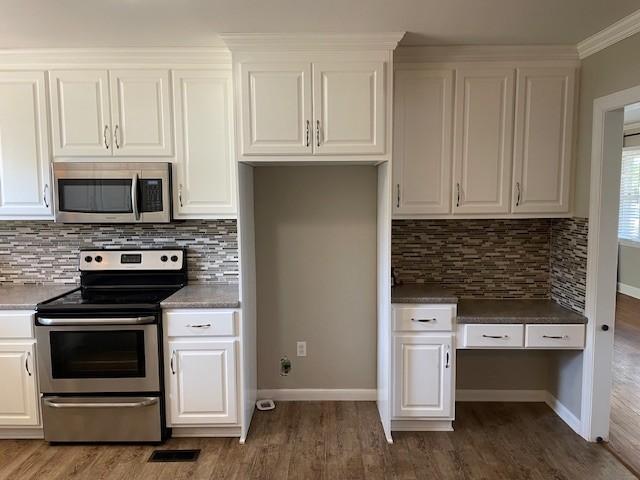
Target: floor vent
<point x="174" y="456"/>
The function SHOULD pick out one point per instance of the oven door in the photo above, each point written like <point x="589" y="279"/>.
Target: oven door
<point x="82" y="357"/>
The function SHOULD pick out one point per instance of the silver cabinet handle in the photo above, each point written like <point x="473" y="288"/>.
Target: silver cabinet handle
<point x="26" y="363"/>
<point x="105" y="135"/>
<point x="60" y="403"/>
<point x="180" y="195"/>
<point x="45" y="195"/>
<point x="171" y="362"/>
<point x="517" y="194"/>
<point x="97" y="321"/>
<point x="203" y="325"/>
<point x="556" y="337"/>
<point x="457" y="194"/>
<point x="307" y="132"/>
<point x="423" y="320"/>
<point x="318" y="133"/>
<point x="446" y="365"/>
<point x="115" y="136"/>
<point x="494" y="336"/>
<point x="134" y="197"/>
<point x="398" y="195"/>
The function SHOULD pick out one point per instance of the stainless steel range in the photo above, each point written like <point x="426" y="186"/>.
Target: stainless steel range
<point x="100" y="348"/>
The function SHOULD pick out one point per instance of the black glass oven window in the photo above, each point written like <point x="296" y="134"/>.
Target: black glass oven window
<point x="109" y="195"/>
<point x="100" y="354"/>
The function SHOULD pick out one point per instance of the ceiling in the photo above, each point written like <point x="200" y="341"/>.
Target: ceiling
<point x="150" y="23"/>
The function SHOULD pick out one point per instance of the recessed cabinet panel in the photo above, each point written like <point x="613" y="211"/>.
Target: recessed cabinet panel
<point x="25" y="188"/>
<point x="348" y="108"/>
<point x="19" y="395"/>
<point x="483" y="140"/>
<point x="276" y="108"/>
<point x="140" y="112"/>
<point x="80" y="115"/>
<point x="205" y="182"/>
<point x="543" y="139"/>
<point x="422" y="141"/>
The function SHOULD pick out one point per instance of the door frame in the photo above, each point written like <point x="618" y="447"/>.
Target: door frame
<point x="602" y="261"/>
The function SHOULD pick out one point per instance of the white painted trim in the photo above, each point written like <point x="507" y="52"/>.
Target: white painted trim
<point x="629" y="290"/>
<point x="563" y="412"/>
<point x="458" y="216"/>
<point x="31" y="433"/>
<point x="319" y="394"/>
<point x="614" y="33"/>
<point x="336" y="42"/>
<point x="501" y="395"/>
<point x="485" y="53"/>
<point x="421" y="426"/>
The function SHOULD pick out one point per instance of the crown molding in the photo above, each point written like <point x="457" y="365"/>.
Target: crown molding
<point x="485" y="53"/>
<point x="614" y="33"/>
<point x="297" y="42"/>
<point x="86" y="57"/>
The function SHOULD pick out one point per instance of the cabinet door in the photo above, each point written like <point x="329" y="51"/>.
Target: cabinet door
<point x="140" y="112"/>
<point x="422" y="141"/>
<point x="483" y="140"/>
<point x="80" y="115"/>
<point x="205" y="167"/>
<point x="348" y="108"/>
<point x="423" y="376"/>
<point x="543" y="140"/>
<point x="276" y="108"/>
<point x="19" y="394"/>
<point x="203" y="382"/>
<point x="25" y="188"/>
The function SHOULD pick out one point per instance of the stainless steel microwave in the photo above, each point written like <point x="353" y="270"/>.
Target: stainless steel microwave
<point x="105" y="192"/>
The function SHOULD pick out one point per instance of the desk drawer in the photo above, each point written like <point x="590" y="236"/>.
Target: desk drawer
<point x="555" y="336"/>
<point x="200" y="323"/>
<point x="427" y="318"/>
<point x="493" y="336"/>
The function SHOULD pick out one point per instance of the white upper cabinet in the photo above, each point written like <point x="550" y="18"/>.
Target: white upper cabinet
<point x="140" y="112"/>
<point x="483" y="140"/>
<point x="543" y="139"/>
<point x="25" y="186"/>
<point x="81" y="118"/>
<point x="422" y="160"/>
<point x="348" y="108"/>
<point x="276" y="108"/>
<point x="204" y="185"/>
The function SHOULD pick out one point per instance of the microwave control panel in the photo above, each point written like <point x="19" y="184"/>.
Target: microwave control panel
<point x="151" y="195"/>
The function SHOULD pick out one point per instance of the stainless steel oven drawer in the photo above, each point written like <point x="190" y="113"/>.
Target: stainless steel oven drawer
<point x="102" y="419"/>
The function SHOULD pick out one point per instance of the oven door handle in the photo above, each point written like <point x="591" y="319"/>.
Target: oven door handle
<point x="144" y="402"/>
<point x="97" y="321"/>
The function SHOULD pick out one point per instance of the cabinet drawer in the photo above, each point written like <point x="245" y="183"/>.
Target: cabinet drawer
<point x="555" y="336"/>
<point x="207" y="323"/>
<point x="16" y="324"/>
<point x="493" y="336"/>
<point x="431" y="318"/>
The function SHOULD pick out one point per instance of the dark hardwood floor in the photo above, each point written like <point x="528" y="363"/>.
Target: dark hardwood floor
<point x="624" y="434"/>
<point x="343" y="440"/>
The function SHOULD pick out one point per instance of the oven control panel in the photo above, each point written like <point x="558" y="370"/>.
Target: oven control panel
<point x="96" y="260"/>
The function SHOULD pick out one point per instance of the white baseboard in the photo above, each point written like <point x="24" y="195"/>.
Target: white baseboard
<point x="319" y="394"/>
<point x="501" y="395"/>
<point x="564" y="413"/>
<point x="629" y="290"/>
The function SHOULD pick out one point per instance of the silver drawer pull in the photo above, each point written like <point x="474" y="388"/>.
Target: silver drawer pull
<point x="556" y="337"/>
<point x="145" y="402"/>
<point x="423" y="320"/>
<point x="494" y="336"/>
<point x="202" y="325"/>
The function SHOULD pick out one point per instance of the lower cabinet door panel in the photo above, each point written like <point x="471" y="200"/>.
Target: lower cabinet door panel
<point x="202" y="386"/>
<point x="423" y="374"/>
<point x="19" y="392"/>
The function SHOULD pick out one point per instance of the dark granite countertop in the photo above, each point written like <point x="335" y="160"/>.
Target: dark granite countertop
<point x="421" y="293"/>
<point x="26" y="297"/>
<point x="204" y="296"/>
<point x="515" y="311"/>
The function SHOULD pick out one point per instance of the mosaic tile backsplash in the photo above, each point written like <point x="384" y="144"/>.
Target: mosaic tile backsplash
<point x="47" y="252"/>
<point x="475" y="258"/>
<point x="568" y="273"/>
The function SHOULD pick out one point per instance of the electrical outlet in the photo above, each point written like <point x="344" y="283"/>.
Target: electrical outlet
<point x="302" y="349"/>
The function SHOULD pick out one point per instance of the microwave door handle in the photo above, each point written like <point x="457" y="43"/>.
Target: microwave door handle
<point x="134" y="197"/>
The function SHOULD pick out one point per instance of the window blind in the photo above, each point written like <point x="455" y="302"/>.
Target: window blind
<point x="629" y="223"/>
